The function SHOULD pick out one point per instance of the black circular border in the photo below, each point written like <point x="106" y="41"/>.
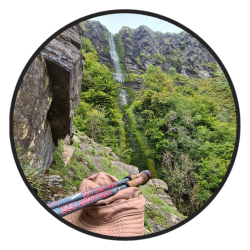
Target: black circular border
<point x="128" y="11"/>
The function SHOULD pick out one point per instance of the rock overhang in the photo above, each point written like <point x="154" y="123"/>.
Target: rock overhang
<point x="64" y="61"/>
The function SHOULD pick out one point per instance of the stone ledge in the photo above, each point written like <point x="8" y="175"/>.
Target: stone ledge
<point x="129" y="168"/>
<point x="158" y="183"/>
<point x="64" y="61"/>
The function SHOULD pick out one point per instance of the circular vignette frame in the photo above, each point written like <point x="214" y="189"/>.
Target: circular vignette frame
<point x="127" y="11"/>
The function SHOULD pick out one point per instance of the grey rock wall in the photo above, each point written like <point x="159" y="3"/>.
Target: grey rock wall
<point x="181" y="51"/>
<point x="47" y="98"/>
<point x="30" y="125"/>
<point x="136" y="86"/>
<point x="98" y="35"/>
<point x="138" y="48"/>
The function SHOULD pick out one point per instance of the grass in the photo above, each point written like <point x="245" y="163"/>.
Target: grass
<point x="113" y="170"/>
<point x="105" y="153"/>
<point x="158" y="215"/>
<point x="92" y="167"/>
<point x="94" y="152"/>
<point x="33" y="176"/>
<point x="75" y="171"/>
<point x="147" y="224"/>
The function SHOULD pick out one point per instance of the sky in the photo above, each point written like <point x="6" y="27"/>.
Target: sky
<point x="114" y="22"/>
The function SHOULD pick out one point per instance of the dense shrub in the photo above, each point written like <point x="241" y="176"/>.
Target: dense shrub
<point x="184" y="135"/>
<point x="189" y="141"/>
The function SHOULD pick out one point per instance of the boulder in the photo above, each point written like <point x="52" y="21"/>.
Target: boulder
<point x="86" y="139"/>
<point x="54" y="181"/>
<point x="68" y="140"/>
<point x="67" y="154"/>
<point x="31" y="128"/>
<point x="129" y="168"/>
<point x="158" y="183"/>
<point x="165" y="197"/>
<point x="117" y="158"/>
<point x="108" y="150"/>
<point x="76" y="139"/>
<point x="85" y="148"/>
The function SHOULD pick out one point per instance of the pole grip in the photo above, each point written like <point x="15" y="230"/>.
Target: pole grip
<point x="139" y="179"/>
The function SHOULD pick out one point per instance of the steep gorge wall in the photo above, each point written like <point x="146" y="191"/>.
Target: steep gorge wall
<point x="47" y="98"/>
<point x="141" y="47"/>
<point x="138" y="48"/>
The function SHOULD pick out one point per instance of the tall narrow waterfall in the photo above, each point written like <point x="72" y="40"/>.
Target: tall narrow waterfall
<point x="118" y="73"/>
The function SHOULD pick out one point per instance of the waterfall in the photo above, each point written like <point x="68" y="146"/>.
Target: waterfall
<point x="137" y="158"/>
<point x="118" y="73"/>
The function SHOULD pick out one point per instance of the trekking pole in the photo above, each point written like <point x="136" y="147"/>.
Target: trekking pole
<point x="88" y="193"/>
<point x="142" y="179"/>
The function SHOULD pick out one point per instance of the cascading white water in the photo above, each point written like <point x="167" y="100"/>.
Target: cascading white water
<point x="137" y="159"/>
<point x="118" y="73"/>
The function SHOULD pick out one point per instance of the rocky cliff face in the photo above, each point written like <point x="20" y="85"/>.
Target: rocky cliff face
<point x="98" y="35"/>
<point x="141" y="47"/>
<point x="138" y="48"/>
<point x="47" y="97"/>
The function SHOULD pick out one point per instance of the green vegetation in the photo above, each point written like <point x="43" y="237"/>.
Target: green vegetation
<point x="188" y="135"/>
<point x="136" y="77"/>
<point x="211" y="65"/>
<point x="120" y="50"/>
<point x="98" y="113"/>
<point x="137" y="59"/>
<point x="33" y="176"/>
<point x="113" y="170"/>
<point x="75" y="171"/>
<point x="184" y="135"/>
<point x="157" y="56"/>
<point x="159" y="214"/>
<point x="171" y="71"/>
<point x="175" y="59"/>
<point x="183" y="45"/>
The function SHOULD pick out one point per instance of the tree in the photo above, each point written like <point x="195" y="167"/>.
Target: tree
<point x="95" y="120"/>
<point x="172" y="71"/>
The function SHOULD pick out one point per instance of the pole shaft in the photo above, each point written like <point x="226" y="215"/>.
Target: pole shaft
<point x="85" y="194"/>
<point x="82" y="203"/>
